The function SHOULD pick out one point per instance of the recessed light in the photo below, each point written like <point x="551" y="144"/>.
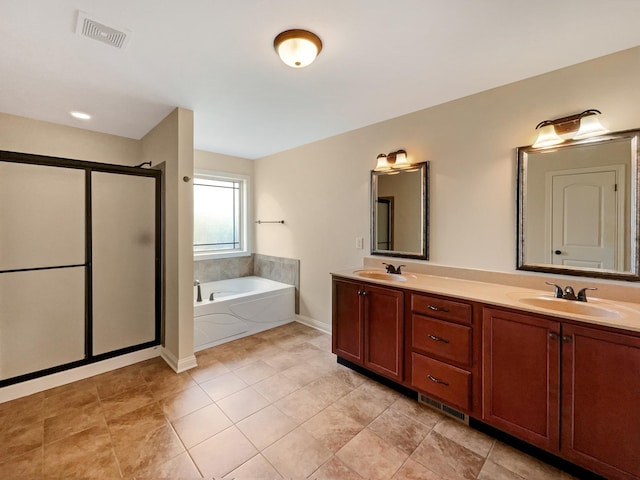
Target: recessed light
<point x="81" y="115"/>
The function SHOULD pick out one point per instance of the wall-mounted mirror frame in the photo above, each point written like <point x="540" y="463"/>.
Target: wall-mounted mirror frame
<point x="578" y="207"/>
<point x="400" y="212"/>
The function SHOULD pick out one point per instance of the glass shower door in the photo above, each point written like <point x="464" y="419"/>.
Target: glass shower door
<point x="42" y="267"/>
<point x="123" y="261"/>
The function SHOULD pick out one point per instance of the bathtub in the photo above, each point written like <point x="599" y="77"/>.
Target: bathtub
<point x="240" y="307"/>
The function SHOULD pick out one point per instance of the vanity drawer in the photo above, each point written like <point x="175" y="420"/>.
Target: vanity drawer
<point x="441" y="308"/>
<point x="444" y="381"/>
<point x="443" y="339"/>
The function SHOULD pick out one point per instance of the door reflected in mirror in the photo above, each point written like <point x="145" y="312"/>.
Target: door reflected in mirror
<point x="399" y="206"/>
<point x="578" y="207"/>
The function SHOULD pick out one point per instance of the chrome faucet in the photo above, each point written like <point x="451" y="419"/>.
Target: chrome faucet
<point x="393" y="270"/>
<point x="196" y="283"/>
<point x="569" y="293"/>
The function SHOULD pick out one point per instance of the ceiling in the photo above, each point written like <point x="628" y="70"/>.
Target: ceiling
<point x="380" y="59"/>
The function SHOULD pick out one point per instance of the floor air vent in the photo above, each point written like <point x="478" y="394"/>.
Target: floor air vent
<point x="91" y="28"/>
<point x="443" y="408"/>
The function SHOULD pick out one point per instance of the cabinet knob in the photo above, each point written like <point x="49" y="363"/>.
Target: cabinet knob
<point x="437" y="380"/>
<point x="437" y="339"/>
<point x="553" y="335"/>
<point x="558" y="252"/>
<point x="566" y="338"/>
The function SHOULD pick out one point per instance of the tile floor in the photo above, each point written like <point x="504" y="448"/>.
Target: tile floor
<point x="273" y="405"/>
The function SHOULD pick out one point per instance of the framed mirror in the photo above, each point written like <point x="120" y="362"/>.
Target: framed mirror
<point x="578" y="207"/>
<point x="399" y="212"/>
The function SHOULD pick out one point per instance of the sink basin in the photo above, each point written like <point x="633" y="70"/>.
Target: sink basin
<point x="377" y="275"/>
<point x="569" y="306"/>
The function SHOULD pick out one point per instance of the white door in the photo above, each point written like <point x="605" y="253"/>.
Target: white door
<point x="586" y="226"/>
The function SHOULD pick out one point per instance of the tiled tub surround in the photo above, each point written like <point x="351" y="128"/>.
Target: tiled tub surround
<point x="273" y="405"/>
<point x="280" y="269"/>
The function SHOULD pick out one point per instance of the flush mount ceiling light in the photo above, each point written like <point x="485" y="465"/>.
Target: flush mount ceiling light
<point x="393" y="161"/>
<point x="297" y="48"/>
<point x="579" y="126"/>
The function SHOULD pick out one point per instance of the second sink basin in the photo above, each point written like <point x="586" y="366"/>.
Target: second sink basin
<point x="569" y="306"/>
<point x="376" y="275"/>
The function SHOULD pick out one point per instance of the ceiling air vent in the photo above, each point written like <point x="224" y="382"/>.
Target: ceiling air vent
<point x="91" y="28"/>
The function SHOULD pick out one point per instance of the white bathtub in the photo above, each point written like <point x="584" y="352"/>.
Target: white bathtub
<point x="241" y="307"/>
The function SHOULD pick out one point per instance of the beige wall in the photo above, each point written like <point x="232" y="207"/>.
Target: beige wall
<point x="171" y="142"/>
<point x="19" y="134"/>
<point x="218" y="162"/>
<point x="322" y="189"/>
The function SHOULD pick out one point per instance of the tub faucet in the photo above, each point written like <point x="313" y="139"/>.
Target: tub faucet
<point x="393" y="270"/>
<point x="196" y="283"/>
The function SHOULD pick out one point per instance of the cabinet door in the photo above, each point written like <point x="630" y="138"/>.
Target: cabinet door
<point x="521" y="376"/>
<point x="383" y="331"/>
<point x="124" y="261"/>
<point x="347" y="317"/>
<point x="601" y="401"/>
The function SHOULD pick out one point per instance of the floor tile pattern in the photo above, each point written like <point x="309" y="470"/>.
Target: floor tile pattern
<point x="274" y="405"/>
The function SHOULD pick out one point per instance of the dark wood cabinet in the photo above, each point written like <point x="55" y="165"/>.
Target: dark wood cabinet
<point x="521" y="376"/>
<point x="347" y="321"/>
<point x="601" y="401"/>
<point x="368" y="326"/>
<point x="383" y="331"/>
<point x="444" y="347"/>
<point x="568" y="387"/>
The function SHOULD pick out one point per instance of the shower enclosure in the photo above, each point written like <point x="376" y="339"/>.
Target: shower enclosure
<point x="79" y="263"/>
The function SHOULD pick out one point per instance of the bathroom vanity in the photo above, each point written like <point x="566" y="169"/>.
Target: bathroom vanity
<point x="559" y="374"/>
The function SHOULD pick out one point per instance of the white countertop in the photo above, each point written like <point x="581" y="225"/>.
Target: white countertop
<point x="595" y="311"/>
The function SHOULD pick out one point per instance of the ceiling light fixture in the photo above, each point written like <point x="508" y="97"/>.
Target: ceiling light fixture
<point x="81" y="115"/>
<point x="578" y="126"/>
<point x="297" y="48"/>
<point x="393" y="161"/>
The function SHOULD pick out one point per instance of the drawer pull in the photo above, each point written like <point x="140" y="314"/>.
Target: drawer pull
<point x="435" y="380"/>
<point x="437" y="309"/>
<point x="437" y="339"/>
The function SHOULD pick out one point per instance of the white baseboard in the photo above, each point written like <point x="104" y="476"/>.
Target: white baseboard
<point x="181" y="365"/>
<point x="22" y="389"/>
<point x="310" y="322"/>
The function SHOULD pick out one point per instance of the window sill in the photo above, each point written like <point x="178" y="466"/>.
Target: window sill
<point x="197" y="256"/>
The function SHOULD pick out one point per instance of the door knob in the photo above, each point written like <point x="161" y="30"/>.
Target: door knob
<point x="558" y="252"/>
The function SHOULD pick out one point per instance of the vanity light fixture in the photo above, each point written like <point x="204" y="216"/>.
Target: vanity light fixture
<point x="590" y="126"/>
<point x="576" y="127"/>
<point x="547" y="135"/>
<point x="382" y="163"/>
<point x="297" y="48"/>
<point x="393" y="161"/>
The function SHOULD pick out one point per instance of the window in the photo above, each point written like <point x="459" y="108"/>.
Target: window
<point x="220" y="226"/>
